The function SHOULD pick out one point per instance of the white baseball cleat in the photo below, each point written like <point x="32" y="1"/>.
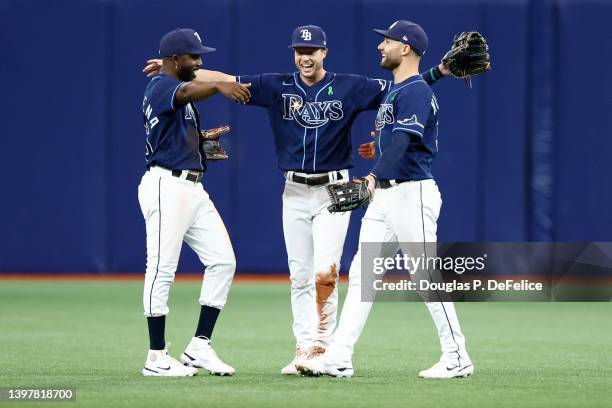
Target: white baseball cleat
<point x="199" y="353"/>
<point x="444" y="369"/>
<point x="323" y="365"/>
<point x="160" y="364"/>
<point x="301" y="354"/>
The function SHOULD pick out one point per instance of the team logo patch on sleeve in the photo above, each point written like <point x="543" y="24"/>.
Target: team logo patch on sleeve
<point x="413" y="120"/>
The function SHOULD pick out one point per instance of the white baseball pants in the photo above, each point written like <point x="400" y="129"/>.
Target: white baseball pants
<point x="314" y="239"/>
<point x="407" y="212"/>
<point x="177" y="210"/>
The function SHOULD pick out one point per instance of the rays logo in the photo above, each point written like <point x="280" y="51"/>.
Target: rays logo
<point x="384" y="116"/>
<point x="413" y="120"/>
<point x="311" y="115"/>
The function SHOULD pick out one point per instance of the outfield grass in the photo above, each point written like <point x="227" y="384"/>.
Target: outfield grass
<point x="92" y="336"/>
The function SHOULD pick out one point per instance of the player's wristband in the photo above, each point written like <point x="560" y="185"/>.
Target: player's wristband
<point x="434" y="74"/>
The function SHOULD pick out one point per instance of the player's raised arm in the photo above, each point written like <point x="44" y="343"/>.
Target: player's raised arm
<point x="154" y="66"/>
<point x="205" y="75"/>
<point x="196" y="91"/>
<point x="181" y="59"/>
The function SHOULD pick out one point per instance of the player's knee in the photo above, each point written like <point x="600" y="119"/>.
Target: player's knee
<point x="328" y="275"/>
<point x="226" y="265"/>
<point x="230" y="262"/>
<point x="355" y="269"/>
<point x="298" y="282"/>
<point x="164" y="267"/>
<point x="160" y="276"/>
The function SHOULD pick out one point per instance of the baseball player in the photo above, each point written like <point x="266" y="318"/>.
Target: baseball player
<point x="175" y="206"/>
<point x="405" y="206"/>
<point x="311" y="113"/>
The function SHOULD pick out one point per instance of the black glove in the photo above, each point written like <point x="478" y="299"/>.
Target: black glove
<point x="469" y="56"/>
<point x="348" y="196"/>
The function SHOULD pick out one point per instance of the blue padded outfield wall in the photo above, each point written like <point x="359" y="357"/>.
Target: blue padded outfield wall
<point x="524" y="156"/>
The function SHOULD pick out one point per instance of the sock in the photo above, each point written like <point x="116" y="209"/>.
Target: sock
<point x="208" y="318"/>
<point x="157" y="329"/>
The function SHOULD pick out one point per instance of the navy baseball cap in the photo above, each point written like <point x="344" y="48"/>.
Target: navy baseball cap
<point x="182" y="41"/>
<point x="409" y="33"/>
<point x="310" y="36"/>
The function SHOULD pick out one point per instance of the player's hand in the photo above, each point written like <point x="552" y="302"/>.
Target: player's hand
<point x="371" y="183"/>
<point x="235" y="91"/>
<point x="367" y="150"/>
<point x="153" y="67"/>
<point x="444" y="69"/>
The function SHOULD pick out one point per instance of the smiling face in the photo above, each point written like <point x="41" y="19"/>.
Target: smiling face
<point x="309" y="62"/>
<point x="187" y="65"/>
<point x="392" y="52"/>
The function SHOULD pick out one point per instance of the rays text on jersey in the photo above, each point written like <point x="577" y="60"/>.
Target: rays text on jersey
<point x="384" y="115"/>
<point x="311" y="114"/>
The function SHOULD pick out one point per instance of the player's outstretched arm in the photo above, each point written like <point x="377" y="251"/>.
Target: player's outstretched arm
<point x="203" y="75"/>
<point x="197" y="91"/>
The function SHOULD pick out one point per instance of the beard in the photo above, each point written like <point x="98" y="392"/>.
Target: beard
<point x="389" y="63"/>
<point x="186" y="74"/>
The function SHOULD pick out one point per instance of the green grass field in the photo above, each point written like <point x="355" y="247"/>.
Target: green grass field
<point x="92" y="336"/>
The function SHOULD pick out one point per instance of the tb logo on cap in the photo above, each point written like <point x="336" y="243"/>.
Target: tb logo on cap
<point x="197" y="36"/>
<point x="306" y="35"/>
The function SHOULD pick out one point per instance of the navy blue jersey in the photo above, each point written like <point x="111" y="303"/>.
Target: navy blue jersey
<point x="312" y="124"/>
<point x="407" y="131"/>
<point x="173" y="132"/>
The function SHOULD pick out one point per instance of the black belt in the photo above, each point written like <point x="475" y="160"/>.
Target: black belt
<point x="387" y="183"/>
<point x="195" y="176"/>
<point x="192" y="175"/>
<point x="314" y="181"/>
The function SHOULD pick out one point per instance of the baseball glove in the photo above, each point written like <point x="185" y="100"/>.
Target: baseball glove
<point x="468" y="56"/>
<point x="348" y="196"/>
<point x="211" y="145"/>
